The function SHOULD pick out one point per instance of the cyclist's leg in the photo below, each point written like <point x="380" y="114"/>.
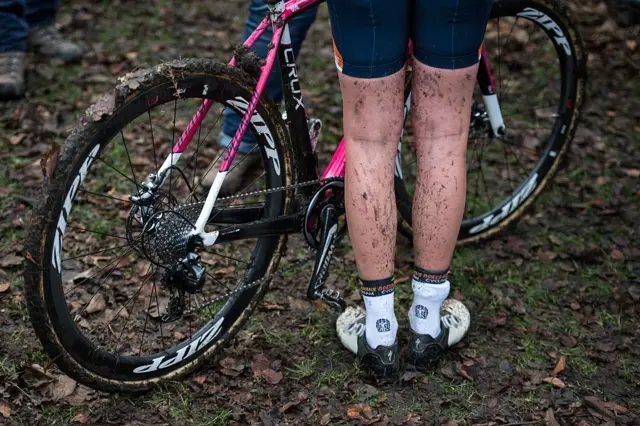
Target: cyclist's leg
<point x="298" y="27"/>
<point x="371" y="45"/>
<point x="447" y="35"/>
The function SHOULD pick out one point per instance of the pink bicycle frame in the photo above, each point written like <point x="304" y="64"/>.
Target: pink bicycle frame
<point x="280" y="13"/>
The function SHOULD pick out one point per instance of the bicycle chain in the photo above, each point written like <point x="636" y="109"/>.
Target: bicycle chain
<point x="281" y="271"/>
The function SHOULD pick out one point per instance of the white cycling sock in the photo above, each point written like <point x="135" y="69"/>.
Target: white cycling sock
<point x="381" y="323"/>
<point x="430" y="289"/>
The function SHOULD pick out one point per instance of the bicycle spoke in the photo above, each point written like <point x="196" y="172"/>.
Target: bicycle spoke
<point x="104" y="196"/>
<point x="96" y="232"/>
<point x="105" y="280"/>
<point x="153" y="142"/>
<point x="119" y="172"/>
<point x="216" y="281"/>
<point x="94" y="252"/>
<point x="146" y="318"/>
<point x="155" y="291"/>
<point x="126" y="149"/>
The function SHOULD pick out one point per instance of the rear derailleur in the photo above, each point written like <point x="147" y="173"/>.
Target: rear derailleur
<point x="185" y="276"/>
<point x="322" y="232"/>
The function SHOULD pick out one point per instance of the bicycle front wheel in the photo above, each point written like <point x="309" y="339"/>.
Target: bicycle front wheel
<point x="538" y="67"/>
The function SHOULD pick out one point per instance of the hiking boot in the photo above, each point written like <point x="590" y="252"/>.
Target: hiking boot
<point x="49" y="41"/>
<point x="382" y="362"/>
<point x="243" y="170"/>
<point x="424" y="350"/>
<point x="11" y="75"/>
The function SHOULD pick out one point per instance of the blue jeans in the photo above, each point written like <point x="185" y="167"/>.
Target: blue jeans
<point x="298" y="26"/>
<point x="17" y="16"/>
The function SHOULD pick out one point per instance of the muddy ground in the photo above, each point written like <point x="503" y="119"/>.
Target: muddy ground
<point x="555" y="300"/>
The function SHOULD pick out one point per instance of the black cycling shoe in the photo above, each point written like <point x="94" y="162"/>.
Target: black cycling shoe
<point x="425" y="351"/>
<point x="382" y="362"/>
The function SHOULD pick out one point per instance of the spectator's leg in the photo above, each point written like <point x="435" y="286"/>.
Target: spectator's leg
<point x="13" y="27"/>
<point x="41" y="12"/>
<point x="13" y="43"/>
<point x="43" y="35"/>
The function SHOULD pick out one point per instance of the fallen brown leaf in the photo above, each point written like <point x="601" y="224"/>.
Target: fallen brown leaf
<point x="463" y="372"/>
<point x="555" y="240"/>
<point x="616" y="408"/>
<point x="96" y="304"/>
<point x="551" y="418"/>
<point x="325" y="419"/>
<point x="16" y="139"/>
<point x="632" y="172"/>
<point x="4" y="287"/>
<point x="409" y="375"/>
<point x="10" y="260"/>
<point x="260" y="363"/>
<point x="49" y="160"/>
<point x="568" y="340"/>
<point x="301" y="396"/>
<point x="269" y="306"/>
<point x="62" y="387"/>
<point x="200" y="379"/>
<point x="599" y="406"/>
<point x="272" y="377"/>
<point x="547" y="256"/>
<point x="357" y="410"/>
<point x="5" y="410"/>
<point x="606" y="346"/>
<point x="231" y="364"/>
<point x="80" y="418"/>
<point x="555" y="382"/>
<point x="457" y="294"/>
<point x="616" y="254"/>
<point x="560" y="365"/>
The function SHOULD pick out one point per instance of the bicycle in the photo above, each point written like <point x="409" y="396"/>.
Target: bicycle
<point x="186" y="236"/>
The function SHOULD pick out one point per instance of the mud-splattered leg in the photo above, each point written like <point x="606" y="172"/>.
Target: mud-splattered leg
<point x="440" y="112"/>
<point x="373" y="120"/>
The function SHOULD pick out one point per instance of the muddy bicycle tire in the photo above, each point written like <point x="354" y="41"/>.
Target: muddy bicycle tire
<point x="66" y="344"/>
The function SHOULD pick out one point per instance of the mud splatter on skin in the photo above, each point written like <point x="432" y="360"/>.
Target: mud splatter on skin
<point x="373" y="121"/>
<point x="440" y="113"/>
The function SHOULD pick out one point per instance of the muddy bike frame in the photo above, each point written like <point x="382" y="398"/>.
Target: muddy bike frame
<point x="280" y="12"/>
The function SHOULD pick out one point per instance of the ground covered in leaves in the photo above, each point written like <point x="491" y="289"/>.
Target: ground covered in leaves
<point x="555" y="300"/>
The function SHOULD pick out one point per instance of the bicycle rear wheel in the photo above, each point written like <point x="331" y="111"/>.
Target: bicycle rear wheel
<point x="100" y="297"/>
<point x="538" y="65"/>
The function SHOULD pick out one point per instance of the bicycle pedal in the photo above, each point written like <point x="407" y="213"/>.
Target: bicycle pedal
<point x="330" y="233"/>
<point x="333" y="299"/>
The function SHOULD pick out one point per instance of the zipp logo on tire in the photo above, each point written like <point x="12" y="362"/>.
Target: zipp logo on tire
<point x="262" y="128"/>
<point x="549" y="24"/>
<point x="56" y="257"/>
<point x="510" y="207"/>
<point x="184" y="353"/>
